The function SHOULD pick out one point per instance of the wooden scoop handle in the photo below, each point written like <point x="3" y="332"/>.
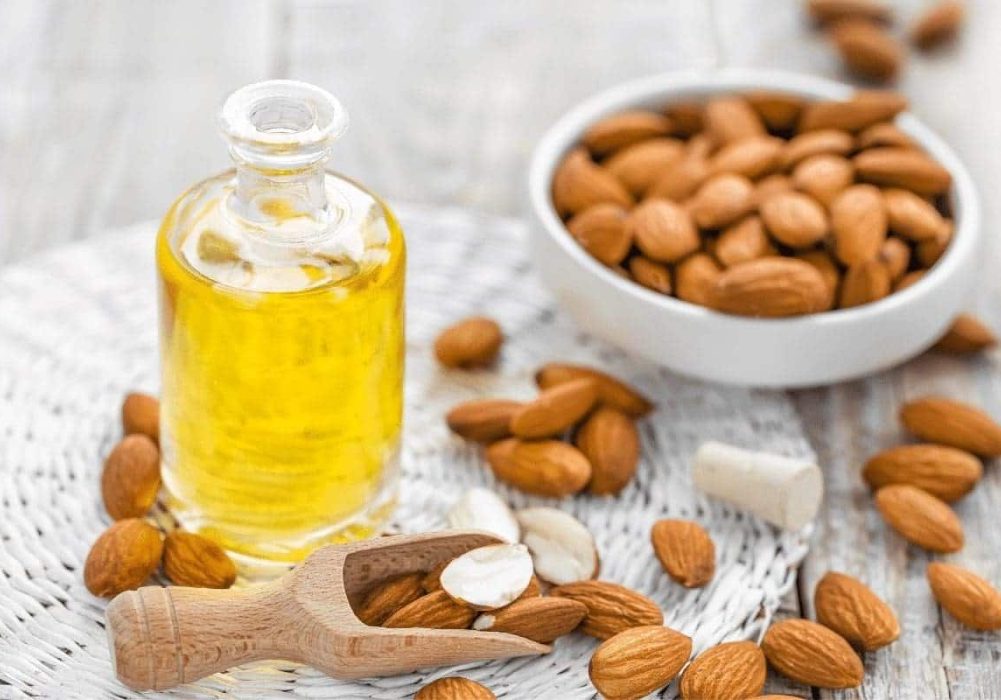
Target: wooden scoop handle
<point x="163" y="637"/>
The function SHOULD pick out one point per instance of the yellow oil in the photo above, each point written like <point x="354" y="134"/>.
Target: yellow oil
<point x="282" y="380"/>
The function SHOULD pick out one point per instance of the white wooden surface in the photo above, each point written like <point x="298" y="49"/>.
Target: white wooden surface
<point x="106" y="113"/>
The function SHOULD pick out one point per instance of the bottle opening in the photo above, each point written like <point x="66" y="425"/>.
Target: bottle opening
<point x="280" y="116"/>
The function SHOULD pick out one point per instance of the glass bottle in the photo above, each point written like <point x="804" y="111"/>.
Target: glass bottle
<point x="281" y="338"/>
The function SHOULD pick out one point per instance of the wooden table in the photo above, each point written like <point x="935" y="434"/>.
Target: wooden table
<point x="106" y="114"/>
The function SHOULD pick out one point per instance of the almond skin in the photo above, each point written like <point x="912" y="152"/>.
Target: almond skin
<point x="722" y="200"/>
<point x="685" y="550"/>
<point x="473" y="342"/>
<point x="824" y="177"/>
<point x="579" y="184"/>
<point x="967" y="597"/>
<point x="454" y="688"/>
<point x="131" y="477"/>
<point x="555" y="409"/>
<point x="386" y="597"/>
<point x="540" y="619"/>
<point x="778" y="110"/>
<point x="752" y="157"/>
<point x="695" y="278"/>
<point x="906" y="168"/>
<point x="939" y="24"/>
<point x="770" y="287"/>
<point x="859" y="223"/>
<point x="638" y="661"/>
<point x="611" y="608"/>
<point x="196" y="561"/>
<point x="434" y="610"/>
<point x="625" y="129"/>
<point x="601" y="231"/>
<point x="865" y="108"/>
<point x="850" y="608"/>
<point x="662" y="230"/>
<point x="682" y="180"/>
<point x="726" y="671"/>
<point x="794" y="219"/>
<point x="912" y="216"/>
<point x="867" y="50"/>
<point x="967" y="334"/>
<point x="123" y="557"/>
<point x="731" y="118"/>
<point x="812" y="654"/>
<point x="544" y="468"/>
<point x="141" y="414"/>
<point x="953" y="423"/>
<point x="824" y="11"/>
<point x="611" y="444"/>
<point x="639" y="166"/>
<point x="483" y="420"/>
<point x="896" y="256"/>
<point x="611" y="391"/>
<point x="920" y="518"/>
<point x="814" y="143"/>
<point x="944" y="472"/>
<point x="864" y="283"/>
<point x="743" y="241"/>
<point x="650" y="274"/>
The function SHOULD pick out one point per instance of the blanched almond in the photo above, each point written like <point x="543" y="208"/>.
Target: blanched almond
<point x="731" y="118"/>
<point x="601" y="231"/>
<point x="859" y="222"/>
<point x="967" y="597"/>
<point x="865" y="108"/>
<point x="482" y="509"/>
<point x="912" y="216"/>
<point x="864" y="283"/>
<point x="966" y="334"/>
<point x="906" y="168"/>
<point x="814" y="143"/>
<point x="920" y="518"/>
<point x="743" y="241"/>
<point x="650" y="274"/>
<point x="695" y="278"/>
<point x="770" y="287"/>
<point x="611" y="391"/>
<point x="945" y="472"/>
<point x="555" y="409"/>
<point x="722" y="200"/>
<point x="824" y="177"/>
<point x="488" y="578"/>
<point x="579" y="184"/>
<point x="640" y="165"/>
<point x="794" y="219"/>
<point x="624" y="129"/>
<point x="544" y="468"/>
<point x="562" y="548"/>
<point x="954" y="423"/>
<point x="662" y="230"/>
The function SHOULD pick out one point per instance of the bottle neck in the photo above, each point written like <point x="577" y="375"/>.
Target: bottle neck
<point x="268" y="198"/>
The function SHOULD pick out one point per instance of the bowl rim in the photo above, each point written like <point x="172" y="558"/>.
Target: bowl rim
<point x="566" y="131"/>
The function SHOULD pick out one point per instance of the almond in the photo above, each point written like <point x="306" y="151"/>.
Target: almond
<point x="386" y="597"/>
<point x="432" y="579"/>
<point x="967" y="597"/>
<point x="625" y="129"/>
<point x="824" y="11"/>
<point x="865" y="108"/>
<point x="695" y="278"/>
<point x="722" y="200"/>
<point x="540" y="619"/>
<point x="473" y="342"/>
<point x="731" y="118"/>
<point x="752" y="157"/>
<point x="824" y="177"/>
<point x="563" y="549"/>
<point x="686" y="117"/>
<point x="578" y="184"/>
<point x="815" y="143"/>
<point x="638" y="661"/>
<point x="601" y="231"/>
<point x="123" y="557"/>
<point x="435" y="611"/>
<point x="920" y="518"/>
<point x="859" y="223"/>
<point x="545" y="468"/>
<point x="650" y="274"/>
<point x="864" y="283"/>
<point x="681" y="181"/>
<point x="812" y="654"/>
<point x="908" y="279"/>
<point x="611" y="608"/>
<point x="483" y="420"/>
<point x="454" y="688"/>
<point x="773" y="184"/>
<point x="794" y="219"/>
<point x="850" y="608"/>
<point x="685" y="550"/>
<point x="724" y="672"/>
<point x="823" y="263"/>
<point x="944" y="472"/>
<point x="482" y="509"/>
<point x="952" y="423"/>
<point x="778" y="110"/>
<point x="141" y="414"/>
<point x="743" y="241"/>
<point x="611" y="391"/>
<point x="930" y="251"/>
<point x="906" y="168"/>
<point x="611" y="444"/>
<point x="884" y="134"/>
<point x="555" y="409"/>
<point x="912" y="216"/>
<point x="490" y="577"/>
<point x="966" y="334"/>
<point x="868" y="50"/>
<point x="770" y="287"/>
<point x="196" y="561"/>
<point x="131" y="477"/>
<point x="662" y="230"/>
<point x="639" y="166"/>
<point x="938" y="24"/>
<point x="896" y="256"/>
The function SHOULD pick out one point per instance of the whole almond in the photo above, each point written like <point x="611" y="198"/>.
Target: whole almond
<point x="483" y="420"/>
<point x="731" y="118"/>
<point x="884" y="134"/>
<point x="624" y="129"/>
<point x="685" y="550"/>
<point x="851" y="609"/>
<point x="920" y="518"/>
<point x="196" y="561"/>
<point x="823" y="263"/>
<point x="773" y="184"/>
<point x="454" y="688"/>
<point x="908" y="279"/>
<point x="555" y="409"/>
<point x="432" y="579"/>
<point x="906" y="168"/>
<point x="435" y="611"/>
<point x="752" y="157"/>
<point x="953" y="423"/>
<point x="824" y="11"/>
<point x="938" y="24"/>
<point x="650" y="274"/>
<point x="824" y="177"/>
<point x="967" y="597"/>
<point x="578" y="184"/>
<point x="812" y="654"/>
<point x="639" y="166"/>
<point x="868" y="50"/>
<point x="722" y="200"/>
<point x="123" y="557"/>
<point x="601" y="231"/>
<point x="724" y="672"/>
<point x="611" y="444"/>
<point x="131" y="477"/>
<point x="540" y="619"/>
<point x="386" y="597"/>
<point x="967" y="334"/>
<point x="896" y="256"/>
<point x="473" y="342"/>
<point x="770" y="287"/>
<point x="815" y="143"/>
<point x="544" y="468"/>
<point x="944" y="472"/>
<point x="638" y="661"/>
<point x="859" y="223"/>
<point x="611" y="608"/>
<point x="686" y="117"/>
<point x="912" y="216"/>
<point x="611" y="391"/>
<point x="930" y="251"/>
<point x="778" y="110"/>
<point x="141" y="414"/>
<point x="865" y="108"/>
<point x="794" y="219"/>
<point x="864" y="283"/>
<point x="662" y="230"/>
<point x="682" y="180"/>
<point x="695" y="278"/>
<point x="743" y="241"/>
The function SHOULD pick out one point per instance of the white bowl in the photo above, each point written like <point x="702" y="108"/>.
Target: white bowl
<point x="692" y="340"/>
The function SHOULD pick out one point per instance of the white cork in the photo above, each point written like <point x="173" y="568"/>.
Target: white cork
<point x="782" y="490"/>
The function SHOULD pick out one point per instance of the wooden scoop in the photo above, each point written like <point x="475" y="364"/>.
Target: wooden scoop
<point x="163" y="637"/>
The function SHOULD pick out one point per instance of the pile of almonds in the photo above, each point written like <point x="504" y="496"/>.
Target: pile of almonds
<point x="761" y="204"/>
<point x="129" y="552"/>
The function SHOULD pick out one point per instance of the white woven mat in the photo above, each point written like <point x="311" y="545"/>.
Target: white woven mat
<point x="78" y="329"/>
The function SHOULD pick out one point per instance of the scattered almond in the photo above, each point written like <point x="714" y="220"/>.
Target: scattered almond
<point x="638" y="661"/>
<point x="938" y="24"/>
<point x="601" y="231"/>
<point x="868" y="50"/>
<point x="123" y="557"/>
<point x="685" y="550"/>
<point x="540" y="619"/>
<point x="944" y="472"/>
<point x="967" y="597"/>
<point x="920" y="518"/>
<point x="141" y="414"/>
<point x="482" y="509"/>
<point x="812" y="654"/>
<point x="611" y="391"/>
<point x="967" y="334"/>
<point x="611" y="608"/>
<point x="454" y="688"/>
<point x="859" y="222"/>
<point x="724" y="672"/>
<point x="850" y="608"/>
<point x="824" y="11"/>
<point x="196" y="561"/>
<point x="953" y="423"/>
<point x="611" y="444"/>
<point x="435" y="611"/>
<point x="555" y="409"/>
<point x="579" y="184"/>
<point x="483" y="420"/>
<point x="131" y="477"/>
<point x="474" y="342"/>
<point x="386" y="597"/>
<point x="625" y="129"/>
<point x="563" y="549"/>
<point x="544" y="468"/>
<point x="770" y="287"/>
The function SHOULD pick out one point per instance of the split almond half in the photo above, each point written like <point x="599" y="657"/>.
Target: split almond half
<point x="685" y="550"/>
<point x="482" y="509"/>
<point x="488" y="577"/>
<point x="850" y="608"/>
<point x="562" y="548"/>
<point x="540" y="619"/>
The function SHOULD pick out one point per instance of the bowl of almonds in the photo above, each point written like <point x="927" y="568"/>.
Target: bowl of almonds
<point x="755" y="227"/>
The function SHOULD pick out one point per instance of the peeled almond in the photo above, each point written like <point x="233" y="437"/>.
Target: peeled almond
<point x="601" y="231"/>
<point x="482" y="509"/>
<point x="488" y="577"/>
<point x="859" y="222"/>
<point x="562" y="548"/>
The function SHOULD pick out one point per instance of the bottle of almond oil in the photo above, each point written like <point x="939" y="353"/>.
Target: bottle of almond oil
<point x="281" y="338"/>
